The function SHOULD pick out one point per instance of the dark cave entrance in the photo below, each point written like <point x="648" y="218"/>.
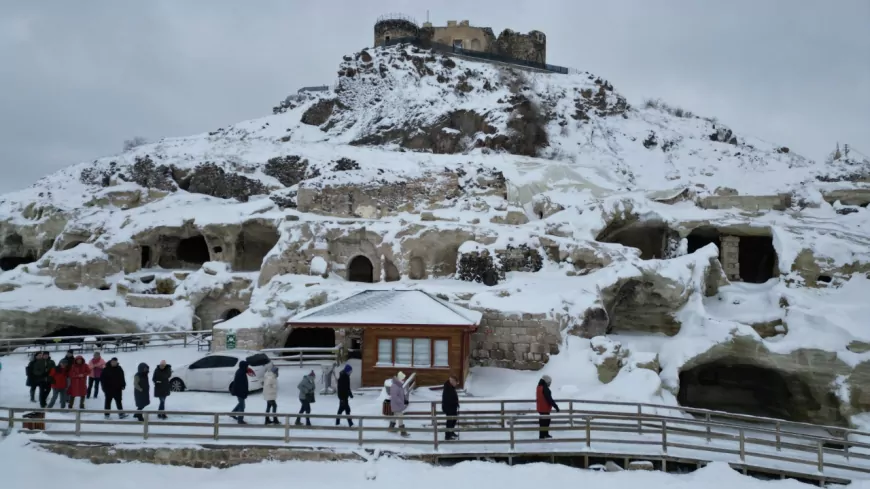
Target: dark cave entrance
<point x="193" y="250"/>
<point x="648" y="237"/>
<point x="701" y="237"/>
<point x="230" y="314"/>
<point x="71" y="245"/>
<point x="361" y="269"/>
<point x="71" y="331"/>
<point x="252" y="245"/>
<point x="746" y="389"/>
<point x="757" y="259"/>
<point x="10" y="262"/>
<point x="756" y="255"/>
<point x="146" y="257"/>
<point x="310" y="338"/>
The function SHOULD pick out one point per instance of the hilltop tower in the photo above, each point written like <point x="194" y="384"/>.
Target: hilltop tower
<point x="395" y="26"/>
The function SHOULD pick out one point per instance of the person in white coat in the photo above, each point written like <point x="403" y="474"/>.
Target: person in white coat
<point x="270" y="393"/>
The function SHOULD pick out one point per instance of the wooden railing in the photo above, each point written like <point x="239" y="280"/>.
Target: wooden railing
<point x="106" y="342"/>
<point x="286" y="356"/>
<point x="639" y="429"/>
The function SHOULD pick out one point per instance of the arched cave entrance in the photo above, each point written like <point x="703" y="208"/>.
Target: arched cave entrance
<point x="726" y="385"/>
<point x="360" y="269"/>
<point x="651" y="238"/>
<point x="71" y="245"/>
<point x="70" y="331"/>
<point x="252" y="245"/>
<point x="230" y="314"/>
<point x="310" y="338"/>
<point x="756" y="256"/>
<point x="183" y="253"/>
<point x="10" y="262"/>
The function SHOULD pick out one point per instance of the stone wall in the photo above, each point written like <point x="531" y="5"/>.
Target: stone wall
<point x="204" y="456"/>
<point x="394" y="29"/>
<point x="749" y="203"/>
<point x="246" y="339"/>
<point x="374" y="200"/>
<point x="730" y="257"/>
<point x="518" y="341"/>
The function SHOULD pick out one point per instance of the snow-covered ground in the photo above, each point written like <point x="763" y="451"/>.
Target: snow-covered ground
<point x="25" y="466"/>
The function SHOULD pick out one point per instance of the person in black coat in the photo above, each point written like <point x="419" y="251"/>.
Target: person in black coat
<point x="32" y="381"/>
<point x="240" y="390"/>
<point x="450" y="406"/>
<point x="162" y="375"/>
<point x="141" y="389"/>
<point x="113" y="383"/>
<point x="344" y="394"/>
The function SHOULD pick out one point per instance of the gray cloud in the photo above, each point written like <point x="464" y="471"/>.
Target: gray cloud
<point x="77" y="78"/>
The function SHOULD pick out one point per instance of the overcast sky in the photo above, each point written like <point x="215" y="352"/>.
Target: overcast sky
<point x="77" y="78"/>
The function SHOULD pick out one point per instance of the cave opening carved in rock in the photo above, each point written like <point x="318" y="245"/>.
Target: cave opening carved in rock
<point x="72" y="244"/>
<point x="360" y="269"/>
<point x="745" y="258"/>
<point x="651" y="238"/>
<point x="145" y="252"/>
<point x="254" y="242"/>
<point x="187" y="253"/>
<point x="10" y="262"/>
<point x="73" y="331"/>
<point x="741" y="388"/>
<point x="310" y="338"/>
<point x="641" y="306"/>
<point x="229" y="314"/>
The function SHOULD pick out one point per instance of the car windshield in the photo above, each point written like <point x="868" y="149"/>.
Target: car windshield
<point x="257" y="360"/>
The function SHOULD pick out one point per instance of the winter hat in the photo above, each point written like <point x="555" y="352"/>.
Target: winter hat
<point x="547" y="380"/>
<point x="114" y="359"/>
<point x="274" y="370"/>
<point x="400" y="376"/>
<point x="348" y="369"/>
<point x="311" y="374"/>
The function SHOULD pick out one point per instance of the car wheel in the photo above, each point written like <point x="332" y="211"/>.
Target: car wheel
<point x="176" y="385"/>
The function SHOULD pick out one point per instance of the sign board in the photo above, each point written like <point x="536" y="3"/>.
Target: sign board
<point x="231" y="341"/>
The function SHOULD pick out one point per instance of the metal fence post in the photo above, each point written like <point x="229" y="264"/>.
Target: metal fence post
<point x="665" y="436"/>
<point x="287" y="429"/>
<point x="11" y="418"/>
<point x="513" y="434"/>
<point x="435" y="426"/>
<point x="145" y="425"/>
<point x="78" y="423"/>
<point x="742" y="446"/>
<point x="821" y="450"/>
<point x="360" y="429"/>
<point x="217" y="423"/>
<point x="301" y="358"/>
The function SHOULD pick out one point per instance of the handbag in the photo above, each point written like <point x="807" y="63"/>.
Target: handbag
<point x="387" y="409"/>
<point x="309" y="397"/>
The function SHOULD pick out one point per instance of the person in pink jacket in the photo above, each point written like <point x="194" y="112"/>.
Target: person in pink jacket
<point x="97" y="364"/>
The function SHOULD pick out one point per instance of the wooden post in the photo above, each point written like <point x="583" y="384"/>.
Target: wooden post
<point x="145" y="425"/>
<point x="513" y="434"/>
<point x="639" y="420"/>
<point x="742" y="446"/>
<point x="434" y="426"/>
<point x="301" y="358"/>
<point x="588" y="432"/>
<point x="502" y="414"/>
<point x="11" y="418"/>
<point x="78" y="423"/>
<point x="707" y="419"/>
<point x="664" y="436"/>
<point x="185" y="341"/>
<point x="360" y="431"/>
<point x="778" y="438"/>
<point x="217" y="423"/>
<point x="287" y="429"/>
<point x="821" y="451"/>
<point x="571" y="413"/>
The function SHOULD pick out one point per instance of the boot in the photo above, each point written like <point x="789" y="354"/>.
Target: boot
<point x="337" y="421"/>
<point x="392" y="426"/>
<point x="241" y="421"/>
<point x="123" y="416"/>
<point x="298" y="422"/>
<point x="268" y="422"/>
<point x="349" y="423"/>
<point x="106" y="416"/>
<point x="307" y="422"/>
<point x="404" y="434"/>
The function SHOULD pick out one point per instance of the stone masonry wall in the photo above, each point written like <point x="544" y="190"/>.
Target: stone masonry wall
<point x="246" y="339"/>
<point x="730" y="256"/>
<point x="518" y="341"/>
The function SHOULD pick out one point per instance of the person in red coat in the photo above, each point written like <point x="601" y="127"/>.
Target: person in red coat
<point x="545" y="404"/>
<point x="78" y="381"/>
<point x="59" y="384"/>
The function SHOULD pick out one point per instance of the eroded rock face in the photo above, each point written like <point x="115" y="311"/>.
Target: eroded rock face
<point x="149" y="175"/>
<point x="595" y="322"/>
<point x="289" y="170"/>
<point x="319" y="113"/>
<point x="817" y="272"/>
<point x="478" y="266"/>
<point x="210" y="179"/>
<point x="45" y="321"/>
<point x="646" y="303"/>
<point x="609" y="358"/>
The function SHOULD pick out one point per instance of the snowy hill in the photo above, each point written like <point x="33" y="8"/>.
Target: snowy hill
<point x="581" y="225"/>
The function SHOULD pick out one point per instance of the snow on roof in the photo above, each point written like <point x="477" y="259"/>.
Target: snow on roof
<point x="390" y="307"/>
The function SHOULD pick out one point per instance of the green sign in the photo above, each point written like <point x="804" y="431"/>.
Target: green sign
<point x="231" y="341"/>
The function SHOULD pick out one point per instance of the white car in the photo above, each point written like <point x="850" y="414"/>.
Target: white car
<point x="215" y="372"/>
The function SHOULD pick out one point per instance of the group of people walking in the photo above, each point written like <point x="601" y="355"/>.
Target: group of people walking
<point x="73" y="377"/>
